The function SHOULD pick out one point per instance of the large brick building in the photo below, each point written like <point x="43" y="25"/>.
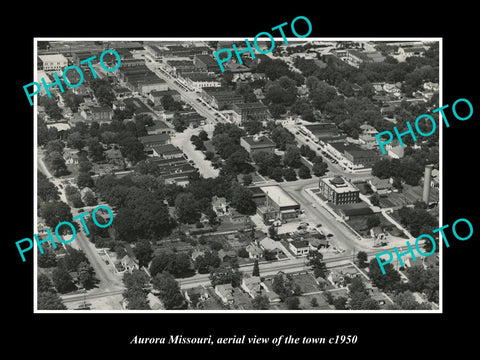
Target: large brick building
<point x="338" y="191"/>
<point x="255" y="144"/>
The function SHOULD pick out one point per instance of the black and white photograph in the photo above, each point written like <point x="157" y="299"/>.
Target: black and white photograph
<point x="217" y="181"/>
<point x="260" y="187"/>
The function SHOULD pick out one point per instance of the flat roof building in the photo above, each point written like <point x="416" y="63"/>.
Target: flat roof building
<point x="339" y="191"/>
<point x="256" y="144"/>
<point x="250" y="111"/>
<point x="53" y="62"/>
<point x="278" y="205"/>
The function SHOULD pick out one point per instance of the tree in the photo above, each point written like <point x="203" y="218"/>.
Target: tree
<point x="247" y="179"/>
<point x="186" y="208"/>
<point x="362" y="259"/>
<point x="277" y="174"/>
<point x="95" y="150"/>
<point x="72" y="260"/>
<point x="55" y="212"/>
<point x="292" y="303"/>
<point x="207" y="262"/>
<point x="225" y="275"/>
<point x="85" y="180"/>
<point x="62" y="280"/>
<point x="49" y="301"/>
<point x="56" y="163"/>
<point x="54" y="145"/>
<point x="75" y="140"/>
<point x="340" y="303"/>
<point x="292" y="156"/>
<point x="315" y="260"/>
<point x="388" y="281"/>
<point x="319" y="168"/>
<point x="256" y="269"/>
<point x="370" y="304"/>
<point x="73" y="196"/>
<point x="375" y="199"/>
<point x="406" y="301"/>
<point x="169" y="291"/>
<point x="203" y="135"/>
<point x="47" y="259"/>
<point x="46" y="190"/>
<point x="289" y="174"/>
<point x="243" y="253"/>
<point x="143" y="252"/>
<point x="314" y="302"/>
<point x="44" y="284"/>
<point x="373" y="221"/>
<point x="86" y="275"/>
<point x="242" y="200"/>
<point x="260" y="302"/>
<point x="269" y="255"/>
<point x="90" y="199"/>
<point x="304" y="172"/>
<point x="209" y="155"/>
<point x="273" y="232"/>
<point x="137" y="279"/>
<point x="282" y="137"/>
<point x="136" y="300"/>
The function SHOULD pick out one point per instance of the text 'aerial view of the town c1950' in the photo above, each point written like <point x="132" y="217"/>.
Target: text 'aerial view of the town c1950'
<point x="262" y="187"/>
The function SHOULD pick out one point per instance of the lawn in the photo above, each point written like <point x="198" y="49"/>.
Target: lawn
<point x="305" y="302"/>
<point x="359" y="223"/>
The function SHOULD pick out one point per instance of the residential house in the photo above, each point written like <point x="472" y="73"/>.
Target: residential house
<point x="316" y="244"/>
<point x="225" y="293"/>
<point x="254" y="251"/>
<point x="199" y="293"/>
<point x="114" y="156"/>
<point x="227" y="255"/>
<point x="219" y="205"/>
<point x="380" y="186"/>
<point x="84" y="192"/>
<point x="251" y="285"/>
<point x="71" y="157"/>
<point x="241" y="301"/>
<point x="300" y="247"/>
<point x="272" y="296"/>
<point x="271" y="245"/>
<point x="377" y="233"/>
<point x="154" y="302"/>
<point x="129" y="264"/>
<point x="196" y="253"/>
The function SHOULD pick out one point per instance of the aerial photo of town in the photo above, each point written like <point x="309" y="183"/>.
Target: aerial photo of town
<point x="262" y="187"/>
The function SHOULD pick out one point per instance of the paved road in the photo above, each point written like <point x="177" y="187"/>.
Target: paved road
<point x="81" y="297"/>
<point x="108" y="280"/>
<point x="182" y="140"/>
<point x="333" y="168"/>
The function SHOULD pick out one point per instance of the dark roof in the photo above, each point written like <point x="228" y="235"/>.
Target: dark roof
<point x="166" y="149"/>
<point x="154" y="138"/>
<point x="164" y="92"/>
<point x="259" y="141"/>
<point x="207" y="59"/>
<point x="299" y="243"/>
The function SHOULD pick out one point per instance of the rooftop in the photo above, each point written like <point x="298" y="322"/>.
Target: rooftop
<point x="258" y="141"/>
<point x="339" y="184"/>
<point x="154" y="138"/>
<point x="277" y="194"/>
